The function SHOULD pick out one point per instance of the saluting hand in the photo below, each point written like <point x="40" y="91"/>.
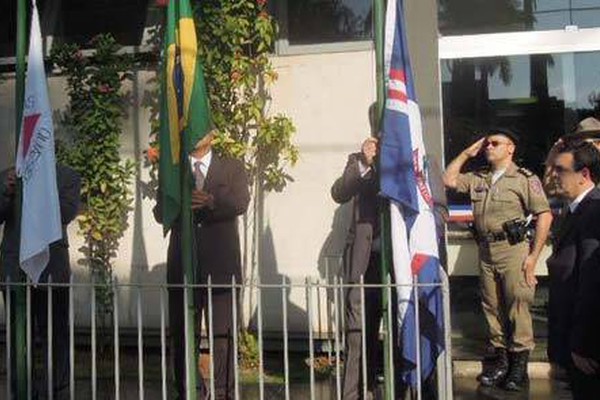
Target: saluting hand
<point x="475" y="148"/>
<point x="369" y="150"/>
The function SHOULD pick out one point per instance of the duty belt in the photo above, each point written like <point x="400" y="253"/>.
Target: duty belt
<point x="490" y="237"/>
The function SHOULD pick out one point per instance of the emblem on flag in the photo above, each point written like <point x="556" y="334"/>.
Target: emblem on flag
<point x="404" y="181"/>
<point x="36" y="164"/>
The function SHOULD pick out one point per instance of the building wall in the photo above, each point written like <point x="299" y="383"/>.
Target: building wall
<point x="302" y="230"/>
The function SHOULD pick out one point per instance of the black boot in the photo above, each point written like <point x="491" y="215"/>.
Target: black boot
<point x="517" y="377"/>
<point x="494" y="373"/>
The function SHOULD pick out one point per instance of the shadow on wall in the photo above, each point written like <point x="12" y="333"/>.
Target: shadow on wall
<point x="332" y="251"/>
<point x="322" y="299"/>
<point x="127" y="299"/>
<point x="273" y="298"/>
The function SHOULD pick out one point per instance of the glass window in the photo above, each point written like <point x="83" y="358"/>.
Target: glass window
<point x="328" y="21"/>
<point x="540" y="96"/>
<point x="77" y="21"/>
<point x="460" y="17"/>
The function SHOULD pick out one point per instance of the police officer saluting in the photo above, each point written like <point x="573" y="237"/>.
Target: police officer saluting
<point x="503" y="196"/>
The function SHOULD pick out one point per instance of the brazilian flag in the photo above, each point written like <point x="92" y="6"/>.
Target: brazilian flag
<point x="184" y="112"/>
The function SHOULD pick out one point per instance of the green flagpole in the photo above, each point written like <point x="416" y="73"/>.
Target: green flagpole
<point x="187" y="253"/>
<point x="379" y="24"/>
<point x="188" y="259"/>
<point x="19" y="316"/>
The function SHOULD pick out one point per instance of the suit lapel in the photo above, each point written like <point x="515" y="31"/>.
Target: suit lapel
<point x="567" y="224"/>
<point x="571" y="220"/>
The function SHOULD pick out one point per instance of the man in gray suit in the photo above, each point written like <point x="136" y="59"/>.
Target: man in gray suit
<point x="58" y="269"/>
<point x="358" y="184"/>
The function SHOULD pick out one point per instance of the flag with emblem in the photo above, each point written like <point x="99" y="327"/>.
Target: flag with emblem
<point x="404" y="181"/>
<point x="36" y="164"/>
<point x="184" y="112"/>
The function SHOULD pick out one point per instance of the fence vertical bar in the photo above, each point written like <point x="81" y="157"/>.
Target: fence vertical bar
<point x="93" y="340"/>
<point x="140" y="344"/>
<point x="29" y="342"/>
<point x="234" y="316"/>
<point x="261" y="366"/>
<point x="363" y="335"/>
<point x="286" y="361"/>
<point x="9" y="339"/>
<point x="338" y="381"/>
<point x="447" y="336"/>
<point x="211" y="339"/>
<point x="418" y="334"/>
<point x="343" y="313"/>
<point x="391" y="332"/>
<point x="189" y="369"/>
<point x="116" y="340"/>
<point x="49" y="337"/>
<point x="71" y="341"/>
<point x="163" y="345"/>
<point x="328" y="302"/>
<point x="311" y="347"/>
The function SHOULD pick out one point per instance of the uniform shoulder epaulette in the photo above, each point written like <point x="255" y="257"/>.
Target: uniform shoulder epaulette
<point x="526" y="172"/>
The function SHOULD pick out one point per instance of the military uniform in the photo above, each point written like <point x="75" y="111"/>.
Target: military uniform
<point x="505" y="295"/>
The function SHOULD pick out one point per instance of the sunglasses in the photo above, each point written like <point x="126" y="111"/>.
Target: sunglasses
<point x="495" y="143"/>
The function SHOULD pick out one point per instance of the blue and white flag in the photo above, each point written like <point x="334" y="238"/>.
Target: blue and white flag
<point x="36" y="164"/>
<point x="404" y="181"/>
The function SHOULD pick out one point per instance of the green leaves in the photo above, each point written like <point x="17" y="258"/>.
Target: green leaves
<point x="93" y="121"/>
<point x="236" y="38"/>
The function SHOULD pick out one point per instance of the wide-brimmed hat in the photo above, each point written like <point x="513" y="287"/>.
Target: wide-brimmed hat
<point x="588" y="128"/>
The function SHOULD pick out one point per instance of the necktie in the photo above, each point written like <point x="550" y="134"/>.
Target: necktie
<point x="198" y="176"/>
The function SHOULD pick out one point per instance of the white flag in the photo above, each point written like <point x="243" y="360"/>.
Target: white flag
<point x="36" y="164"/>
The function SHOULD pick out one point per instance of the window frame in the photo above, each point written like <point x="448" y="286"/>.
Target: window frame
<point x="569" y="40"/>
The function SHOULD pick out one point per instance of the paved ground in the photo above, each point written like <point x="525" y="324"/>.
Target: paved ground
<point x="464" y="389"/>
<point x="468" y="389"/>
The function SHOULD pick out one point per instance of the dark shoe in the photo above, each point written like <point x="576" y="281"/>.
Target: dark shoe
<point x="494" y="373"/>
<point x="517" y="378"/>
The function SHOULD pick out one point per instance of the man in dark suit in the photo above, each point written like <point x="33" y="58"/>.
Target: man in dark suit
<point x="574" y="270"/>
<point x="358" y="184"/>
<point x="58" y="269"/>
<point x="219" y="196"/>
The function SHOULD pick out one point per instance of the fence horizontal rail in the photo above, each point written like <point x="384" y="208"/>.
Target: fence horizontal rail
<point x="218" y="285"/>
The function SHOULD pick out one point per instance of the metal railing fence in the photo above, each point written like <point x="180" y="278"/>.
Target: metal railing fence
<point x="331" y="339"/>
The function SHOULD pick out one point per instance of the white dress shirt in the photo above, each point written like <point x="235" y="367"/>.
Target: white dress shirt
<point x="204" y="163"/>
<point x="575" y="203"/>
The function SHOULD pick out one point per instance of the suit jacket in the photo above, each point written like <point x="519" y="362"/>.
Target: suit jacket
<point x="216" y="228"/>
<point x="574" y="271"/>
<point x="69" y="188"/>
<point x="362" y="191"/>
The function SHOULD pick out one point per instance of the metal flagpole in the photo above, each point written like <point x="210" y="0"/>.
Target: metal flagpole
<point x="20" y="314"/>
<point x="379" y="18"/>
<point x="188" y="259"/>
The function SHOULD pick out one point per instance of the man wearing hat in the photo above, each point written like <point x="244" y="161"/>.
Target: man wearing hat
<point x="503" y="196"/>
<point x="588" y="130"/>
